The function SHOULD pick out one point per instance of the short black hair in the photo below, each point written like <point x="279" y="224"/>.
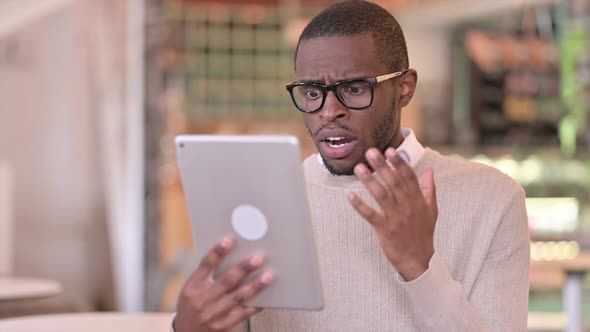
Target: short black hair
<point x="355" y="17"/>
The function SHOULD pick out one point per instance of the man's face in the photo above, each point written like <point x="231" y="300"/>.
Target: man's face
<point x="341" y="135"/>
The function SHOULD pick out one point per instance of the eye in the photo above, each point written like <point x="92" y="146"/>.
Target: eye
<point x="355" y="89"/>
<point x="312" y="93"/>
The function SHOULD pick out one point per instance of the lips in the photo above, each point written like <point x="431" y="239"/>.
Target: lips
<point x="336" y="144"/>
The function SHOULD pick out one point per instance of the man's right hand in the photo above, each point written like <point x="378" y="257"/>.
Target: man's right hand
<point x="208" y="304"/>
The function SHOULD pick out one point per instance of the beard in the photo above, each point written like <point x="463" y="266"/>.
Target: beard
<point x="382" y="137"/>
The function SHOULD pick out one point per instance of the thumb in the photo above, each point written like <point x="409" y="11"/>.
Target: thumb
<point x="428" y="188"/>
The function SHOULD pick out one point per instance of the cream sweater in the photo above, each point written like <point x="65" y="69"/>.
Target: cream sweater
<point x="477" y="279"/>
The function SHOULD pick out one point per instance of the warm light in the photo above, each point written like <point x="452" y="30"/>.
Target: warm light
<point x="217" y="12"/>
<point x="293" y="30"/>
<point x="394" y="5"/>
<point x="508" y="167"/>
<point x="253" y="14"/>
<point x="482" y="159"/>
<point x="549" y="251"/>
<point x="531" y="170"/>
<point x="552" y="214"/>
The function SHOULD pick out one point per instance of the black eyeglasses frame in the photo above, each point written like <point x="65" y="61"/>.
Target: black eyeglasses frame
<point x="325" y="88"/>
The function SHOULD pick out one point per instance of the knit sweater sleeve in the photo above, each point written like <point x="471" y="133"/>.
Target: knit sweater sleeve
<point x="498" y="300"/>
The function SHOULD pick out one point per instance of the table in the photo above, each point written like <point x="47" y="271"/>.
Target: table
<point x="90" y="322"/>
<point x="575" y="270"/>
<point x="16" y="288"/>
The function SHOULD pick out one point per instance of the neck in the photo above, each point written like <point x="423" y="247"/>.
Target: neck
<point x="396" y="139"/>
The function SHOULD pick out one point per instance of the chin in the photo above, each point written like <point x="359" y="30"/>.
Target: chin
<point x="339" y="167"/>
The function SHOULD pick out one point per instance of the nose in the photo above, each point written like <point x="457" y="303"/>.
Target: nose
<point x="333" y="109"/>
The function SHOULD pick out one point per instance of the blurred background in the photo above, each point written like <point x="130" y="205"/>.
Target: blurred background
<point x="92" y="93"/>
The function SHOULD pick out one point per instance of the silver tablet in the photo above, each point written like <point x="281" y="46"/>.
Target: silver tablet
<point x="253" y="187"/>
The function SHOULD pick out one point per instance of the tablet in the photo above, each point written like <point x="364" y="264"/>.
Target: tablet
<point x="253" y="187"/>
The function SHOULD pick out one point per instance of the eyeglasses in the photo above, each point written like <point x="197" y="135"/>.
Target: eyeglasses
<point x="356" y="94"/>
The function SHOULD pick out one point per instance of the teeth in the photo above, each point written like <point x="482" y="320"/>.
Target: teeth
<point x="332" y="142"/>
<point x="336" y="145"/>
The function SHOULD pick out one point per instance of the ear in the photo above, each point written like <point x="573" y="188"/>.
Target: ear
<point x="407" y="87"/>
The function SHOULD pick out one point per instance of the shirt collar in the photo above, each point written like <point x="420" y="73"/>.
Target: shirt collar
<point x="410" y="149"/>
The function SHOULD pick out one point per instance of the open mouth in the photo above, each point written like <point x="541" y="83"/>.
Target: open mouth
<point x="338" y="142"/>
<point x="337" y="147"/>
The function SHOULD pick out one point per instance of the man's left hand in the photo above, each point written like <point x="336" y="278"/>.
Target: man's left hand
<point x="405" y="224"/>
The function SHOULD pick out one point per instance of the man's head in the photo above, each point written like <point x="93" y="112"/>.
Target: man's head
<point x="355" y="17"/>
<point x="354" y="39"/>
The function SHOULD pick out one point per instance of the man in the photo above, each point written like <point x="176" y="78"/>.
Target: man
<point x="396" y="254"/>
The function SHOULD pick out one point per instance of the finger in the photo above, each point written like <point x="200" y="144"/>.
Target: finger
<point x="408" y="176"/>
<point x="375" y="188"/>
<point x="232" y="278"/>
<point x="210" y="262"/>
<point x="428" y="188"/>
<point x="390" y="177"/>
<point x="239" y="296"/>
<point x="367" y="212"/>
<point x="234" y="317"/>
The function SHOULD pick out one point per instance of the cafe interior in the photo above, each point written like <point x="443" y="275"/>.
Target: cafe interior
<point x="94" y="228"/>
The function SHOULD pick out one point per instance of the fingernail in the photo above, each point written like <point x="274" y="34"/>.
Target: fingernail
<point x="395" y="158"/>
<point x="390" y="152"/>
<point x="361" y="170"/>
<point x="227" y="242"/>
<point x="373" y="155"/>
<point x="378" y="160"/>
<point x="266" y="277"/>
<point x="255" y="261"/>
